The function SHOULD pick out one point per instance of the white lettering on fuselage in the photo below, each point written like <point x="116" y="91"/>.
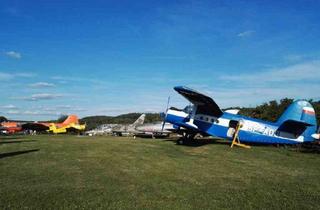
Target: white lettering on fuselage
<point x="250" y="126"/>
<point x="259" y="128"/>
<point x="247" y="125"/>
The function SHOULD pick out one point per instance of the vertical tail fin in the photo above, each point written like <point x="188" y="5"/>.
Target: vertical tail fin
<point x="71" y="119"/>
<point x="303" y="112"/>
<point x="300" y="110"/>
<point x="139" y="121"/>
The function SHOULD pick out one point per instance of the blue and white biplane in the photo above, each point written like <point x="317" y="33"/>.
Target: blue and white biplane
<point x="297" y="124"/>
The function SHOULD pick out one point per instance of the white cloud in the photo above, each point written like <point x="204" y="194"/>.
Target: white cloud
<point x="13" y="54"/>
<point x="13" y="112"/>
<point x="248" y="96"/>
<point x="40" y="96"/>
<point x="106" y="111"/>
<point x="69" y="108"/>
<point x="246" y="33"/>
<point x="29" y="112"/>
<point x="298" y="81"/>
<point x="298" y="72"/>
<point x="41" y="85"/>
<point x="5" y="76"/>
<point x="64" y="107"/>
<point x="71" y="79"/>
<point x="294" y="58"/>
<point x="24" y="74"/>
<point x="10" y="106"/>
<point x="32" y="113"/>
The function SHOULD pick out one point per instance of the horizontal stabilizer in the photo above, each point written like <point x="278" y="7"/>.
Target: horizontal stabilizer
<point x="295" y="123"/>
<point x="293" y="127"/>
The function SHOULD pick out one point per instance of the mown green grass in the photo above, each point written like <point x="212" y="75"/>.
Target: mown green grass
<point x="69" y="172"/>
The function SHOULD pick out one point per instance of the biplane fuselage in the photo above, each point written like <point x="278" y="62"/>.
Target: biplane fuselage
<point x="296" y="125"/>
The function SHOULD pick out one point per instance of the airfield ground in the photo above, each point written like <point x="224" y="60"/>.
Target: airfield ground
<point x="69" y="172"/>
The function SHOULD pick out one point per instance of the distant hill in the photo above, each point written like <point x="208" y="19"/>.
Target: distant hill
<point x="94" y="121"/>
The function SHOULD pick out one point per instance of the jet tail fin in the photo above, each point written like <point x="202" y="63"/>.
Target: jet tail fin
<point x="71" y="119"/>
<point x="139" y="121"/>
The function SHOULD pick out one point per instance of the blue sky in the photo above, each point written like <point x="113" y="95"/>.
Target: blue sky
<point x="112" y="57"/>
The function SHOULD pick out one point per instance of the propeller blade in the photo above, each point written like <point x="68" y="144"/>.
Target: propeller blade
<point x="168" y="104"/>
<point x="165" y="116"/>
<point x="164" y="122"/>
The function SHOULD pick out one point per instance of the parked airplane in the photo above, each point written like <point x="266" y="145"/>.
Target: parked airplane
<point x="101" y="130"/>
<point x="10" y="127"/>
<point x="296" y="125"/>
<point x="154" y="130"/>
<point x="70" y="124"/>
<point x="124" y="130"/>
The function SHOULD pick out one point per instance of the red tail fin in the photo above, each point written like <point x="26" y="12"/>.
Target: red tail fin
<point x="71" y="119"/>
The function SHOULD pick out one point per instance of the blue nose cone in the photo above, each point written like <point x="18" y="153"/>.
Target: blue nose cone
<point x="162" y="115"/>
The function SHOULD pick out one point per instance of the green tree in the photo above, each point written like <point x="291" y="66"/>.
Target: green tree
<point x="3" y="119"/>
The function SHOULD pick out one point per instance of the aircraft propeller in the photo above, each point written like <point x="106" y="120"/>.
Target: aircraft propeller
<point x="165" y="115"/>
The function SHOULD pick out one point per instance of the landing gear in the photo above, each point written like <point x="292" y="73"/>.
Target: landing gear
<point x="187" y="138"/>
<point x="236" y="139"/>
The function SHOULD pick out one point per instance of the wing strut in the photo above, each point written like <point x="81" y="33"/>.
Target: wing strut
<point x="236" y="139"/>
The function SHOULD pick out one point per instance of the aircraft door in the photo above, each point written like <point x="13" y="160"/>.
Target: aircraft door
<point x="232" y="128"/>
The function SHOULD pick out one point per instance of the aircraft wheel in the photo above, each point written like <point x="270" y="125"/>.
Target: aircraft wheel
<point x="180" y="141"/>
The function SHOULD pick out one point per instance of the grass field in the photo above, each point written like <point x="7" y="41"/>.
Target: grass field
<point x="69" y="172"/>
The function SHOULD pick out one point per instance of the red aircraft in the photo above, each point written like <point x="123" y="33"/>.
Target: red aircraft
<point x="10" y="127"/>
<point x="70" y="123"/>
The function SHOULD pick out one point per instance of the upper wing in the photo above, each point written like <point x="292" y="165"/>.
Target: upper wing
<point x="205" y="104"/>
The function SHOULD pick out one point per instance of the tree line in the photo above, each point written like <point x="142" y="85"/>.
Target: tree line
<point x="269" y="111"/>
<point x="95" y="121"/>
<point x="272" y="110"/>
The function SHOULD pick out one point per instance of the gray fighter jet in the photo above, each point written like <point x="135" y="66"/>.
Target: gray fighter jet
<point x="126" y="130"/>
<point x="154" y="130"/>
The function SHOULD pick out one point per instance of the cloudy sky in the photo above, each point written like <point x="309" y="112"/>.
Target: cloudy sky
<point x="112" y="57"/>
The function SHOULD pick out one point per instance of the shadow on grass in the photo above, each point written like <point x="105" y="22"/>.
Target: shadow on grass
<point x="217" y="141"/>
<point x="313" y="147"/>
<point x="200" y="142"/>
<point x="10" y="154"/>
<point x="10" y="137"/>
<point x="15" y="142"/>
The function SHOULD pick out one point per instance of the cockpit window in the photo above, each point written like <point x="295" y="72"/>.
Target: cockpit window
<point x="188" y="109"/>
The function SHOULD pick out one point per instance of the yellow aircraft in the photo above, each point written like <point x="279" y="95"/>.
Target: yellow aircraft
<point x="71" y="123"/>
